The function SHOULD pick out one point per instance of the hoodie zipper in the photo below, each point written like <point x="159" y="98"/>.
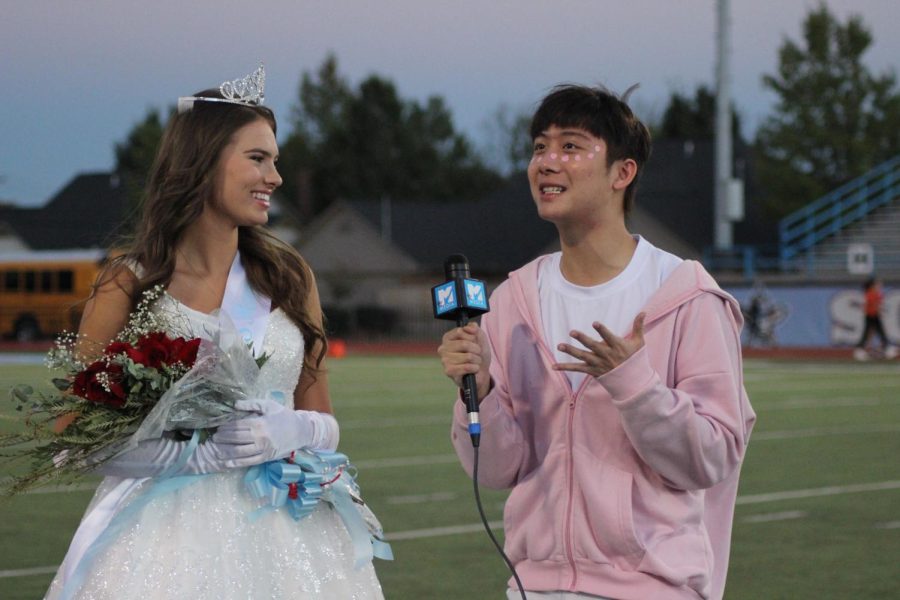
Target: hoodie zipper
<point x="570" y="468"/>
<point x="570" y="458"/>
<point x="572" y="395"/>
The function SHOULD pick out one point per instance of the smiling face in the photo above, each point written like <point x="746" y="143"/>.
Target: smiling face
<point x="246" y="176"/>
<point x="570" y="179"/>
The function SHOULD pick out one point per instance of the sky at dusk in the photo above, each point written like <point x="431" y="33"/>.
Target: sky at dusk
<point x="77" y="75"/>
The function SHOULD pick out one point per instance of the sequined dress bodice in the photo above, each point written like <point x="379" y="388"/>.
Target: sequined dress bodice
<point x="282" y="343"/>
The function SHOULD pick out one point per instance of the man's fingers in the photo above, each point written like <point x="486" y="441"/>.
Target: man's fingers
<point x="468" y="332"/>
<point x="608" y="336"/>
<point x="637" y="330"/>
<point x="592" y="344"/>
<point x="580" y="367"/>
<point x="583" y="355"/>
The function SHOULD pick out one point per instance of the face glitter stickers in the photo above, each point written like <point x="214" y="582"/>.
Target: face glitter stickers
<point x="573" y="146"/>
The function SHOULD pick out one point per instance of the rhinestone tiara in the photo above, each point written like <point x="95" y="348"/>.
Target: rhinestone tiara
<point x="249" y="91"/>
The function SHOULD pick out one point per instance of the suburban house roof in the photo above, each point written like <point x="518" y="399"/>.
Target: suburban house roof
<point x="84" y="214"/>
<point x="496" y="233"/>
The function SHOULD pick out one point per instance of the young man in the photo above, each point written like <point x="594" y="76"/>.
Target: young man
<point x="609" y="381"/>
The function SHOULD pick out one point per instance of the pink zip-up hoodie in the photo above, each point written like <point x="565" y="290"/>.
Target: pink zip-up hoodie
<point x="626" y="487"/>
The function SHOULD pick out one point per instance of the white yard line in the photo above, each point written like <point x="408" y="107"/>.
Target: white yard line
<point x="761" y="370"/>
<point x="423" y="498"/>
<point x="747" y="499"/>
<point x="28" y="572"/>
<point x="406" y="461"/>
<point x="443" y="419"/>
<point x="791" y="434"/>
<point x="778" y="516"/>
<point x="805" y="403"/>
<point x="21" y="359"/>
<point x="431" y="532"/>
<point x="825" y="384"/>
<point x="832" y="490"/>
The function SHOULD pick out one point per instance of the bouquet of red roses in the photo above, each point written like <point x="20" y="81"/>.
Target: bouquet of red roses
<point x="142" y="369"/>
<point x="144" y="383"/>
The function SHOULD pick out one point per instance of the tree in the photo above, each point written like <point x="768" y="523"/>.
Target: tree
<point x="509" y="148"/>
<point x="834" y="119"/>
<point x="695" y="119"/>
<point x="370" y="143"/>
<point x="134" y="156"/>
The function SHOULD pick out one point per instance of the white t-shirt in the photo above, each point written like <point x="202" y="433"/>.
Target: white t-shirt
<point x="566" y="306"/>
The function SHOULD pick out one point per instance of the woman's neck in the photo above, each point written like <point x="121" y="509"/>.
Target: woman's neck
<point x="207" y="250"/>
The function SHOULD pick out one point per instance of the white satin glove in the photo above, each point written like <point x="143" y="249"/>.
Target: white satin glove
<point x="278" y="431"/>
<point x="153" y="457"/>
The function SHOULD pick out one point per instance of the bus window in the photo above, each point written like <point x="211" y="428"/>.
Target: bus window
<point x="46" y="281"/>
<point x="43" y="291"/>
<point x="11" y="280"/>
<point x="65" y="279"/>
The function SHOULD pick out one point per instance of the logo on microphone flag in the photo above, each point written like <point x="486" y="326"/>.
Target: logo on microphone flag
<point x="445" y="298"/>
<point x="475" y="294"/>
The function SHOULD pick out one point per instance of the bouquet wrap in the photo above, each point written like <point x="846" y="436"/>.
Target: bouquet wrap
<point x="225" y="372"/>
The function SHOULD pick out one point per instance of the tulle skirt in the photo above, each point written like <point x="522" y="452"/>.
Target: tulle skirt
<point x="199" y="542"/>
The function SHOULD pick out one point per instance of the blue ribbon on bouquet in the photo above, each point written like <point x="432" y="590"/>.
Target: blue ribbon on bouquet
<point x="299" y="483"/>
<point x="294" y="483"/>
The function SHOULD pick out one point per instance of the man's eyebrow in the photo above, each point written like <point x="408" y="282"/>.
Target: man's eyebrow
<point x="567" y="132"/>
<point x="575" y="132"/>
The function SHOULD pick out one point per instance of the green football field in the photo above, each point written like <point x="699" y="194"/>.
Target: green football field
<point x="818" y="512"/>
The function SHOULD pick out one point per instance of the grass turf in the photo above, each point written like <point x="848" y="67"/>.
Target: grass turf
<point x="823" y="427"/>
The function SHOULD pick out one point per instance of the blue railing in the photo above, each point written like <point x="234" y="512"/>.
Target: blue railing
<point x="746" y="259"/>
<point x="804" y="228"/>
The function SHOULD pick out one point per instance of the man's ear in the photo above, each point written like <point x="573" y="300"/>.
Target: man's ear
<point x="624" y="172"/>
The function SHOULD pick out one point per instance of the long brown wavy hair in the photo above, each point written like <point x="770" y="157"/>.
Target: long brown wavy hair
<point x="181" y="183"/>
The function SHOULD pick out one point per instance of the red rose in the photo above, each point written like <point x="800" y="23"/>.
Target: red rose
<point x="184" y="351"/>
<point x="155" y="348"/>
<point x="128" y="350"/>
<point x="117" y="348"/>
<point x="89" y="386"/>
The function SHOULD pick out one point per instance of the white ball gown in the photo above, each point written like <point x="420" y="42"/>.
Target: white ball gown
<point x="198" y="542"/>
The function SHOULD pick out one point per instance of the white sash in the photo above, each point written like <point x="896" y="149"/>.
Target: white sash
<point x="94" y="522"/>
<point x="248" y="310"/>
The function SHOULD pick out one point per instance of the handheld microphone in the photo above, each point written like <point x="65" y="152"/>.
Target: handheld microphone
<point x="459" y="299"/>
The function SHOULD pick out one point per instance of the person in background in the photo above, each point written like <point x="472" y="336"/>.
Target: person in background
<point x="872" y="325"/>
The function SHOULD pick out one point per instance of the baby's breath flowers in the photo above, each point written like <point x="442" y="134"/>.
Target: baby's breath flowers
<point x="143" y="320"/>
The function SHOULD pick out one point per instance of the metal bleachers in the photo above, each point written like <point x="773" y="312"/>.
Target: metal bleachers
<point x="815" y="239"/>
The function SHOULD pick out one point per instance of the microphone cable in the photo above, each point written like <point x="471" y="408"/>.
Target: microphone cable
<point x="487" y="527"/>
<point x="458" y="299"/>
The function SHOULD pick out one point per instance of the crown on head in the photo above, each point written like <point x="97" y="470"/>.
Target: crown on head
<point x="249" y="91"/>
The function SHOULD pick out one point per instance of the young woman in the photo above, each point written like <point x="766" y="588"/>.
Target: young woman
<point x="201" y="237"/>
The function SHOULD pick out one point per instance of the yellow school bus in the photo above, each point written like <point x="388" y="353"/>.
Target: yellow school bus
<point x="42" y="292"/>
